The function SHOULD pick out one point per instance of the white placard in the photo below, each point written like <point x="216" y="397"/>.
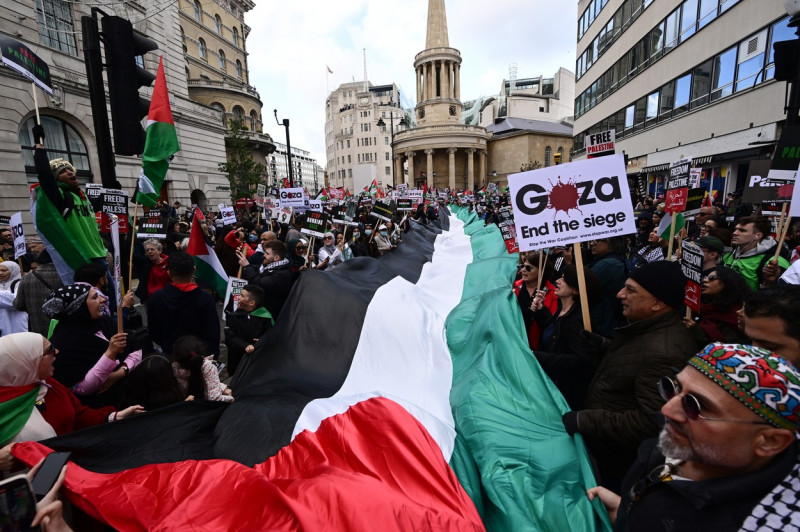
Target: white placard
<point x="315" y="205"/>
<point x="600" y="144"/>
<point x="114" y="227"/>
<point x="794" y="207"/>
<point x="291" y="197"/>
<point x="19" y="235"/>
<point x="228" y="214"/>
<point x="572" y="202"/>
<point x="285" y="215"/>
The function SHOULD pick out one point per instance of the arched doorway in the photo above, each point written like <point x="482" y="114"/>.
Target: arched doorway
<point x="198" y="198"/>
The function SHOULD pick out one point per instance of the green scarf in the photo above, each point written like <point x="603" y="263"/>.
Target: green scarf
<point x="15" y="410"/>
<point x="261" y="312"/>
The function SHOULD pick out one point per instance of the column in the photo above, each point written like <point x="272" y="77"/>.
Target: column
<point x="418" y="71"/>
<point x="410" y="177"/>
<point x="451" y="89"/>
<point x="429" y="166"/>
<point x="451" y="152"/>
<point x="398" y="170"/>
<point x="431" y="87"/>
<point x="458" y="81"/>
<point x="471" y="170"/>
<point x="482" y="165"/>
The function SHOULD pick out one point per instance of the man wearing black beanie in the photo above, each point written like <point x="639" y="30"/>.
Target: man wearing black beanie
<point x="623" y="402"/>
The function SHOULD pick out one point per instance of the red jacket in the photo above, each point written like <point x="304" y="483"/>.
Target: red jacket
<point x="65" y="413"/>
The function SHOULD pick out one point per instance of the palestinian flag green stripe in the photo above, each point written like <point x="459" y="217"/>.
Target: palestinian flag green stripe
<point x="512" y="455"/>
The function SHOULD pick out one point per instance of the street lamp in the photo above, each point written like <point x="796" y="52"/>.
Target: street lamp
<point x="403" y="124"/>
<point x="285" y="123"/>
<point x="787" y="57"/>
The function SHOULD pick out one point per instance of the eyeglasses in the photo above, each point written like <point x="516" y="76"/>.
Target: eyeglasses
<point x="526" y="267"/>
<point x="50" y="350"/>
<point x="301" y="247"/>
<point x="328" y="238"/>
<point x="669" y="389"/>
<point x="711" y="277"/>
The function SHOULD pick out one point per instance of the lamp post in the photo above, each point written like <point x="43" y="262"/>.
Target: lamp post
<point x="787" y="59"/>
<point x="285" y="123"/>
<point x="402" y="123"/>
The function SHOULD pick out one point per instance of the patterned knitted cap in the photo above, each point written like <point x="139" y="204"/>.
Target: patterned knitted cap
<point x="66" y="301"/>
<point x="763" y="382"/>
<point x="59" y="165"/>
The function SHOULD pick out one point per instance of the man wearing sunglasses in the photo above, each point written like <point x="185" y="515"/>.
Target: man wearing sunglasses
<point x="727" y="457"/>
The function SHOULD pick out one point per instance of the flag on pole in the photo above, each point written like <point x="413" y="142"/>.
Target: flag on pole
<point x="329" y="69"/>
<point x="209" y="269"/>
<point x="161" y="143"/>
<point x="323" y="194"/>
<point x="373" y="188"/>
<point x="666" y="221"/>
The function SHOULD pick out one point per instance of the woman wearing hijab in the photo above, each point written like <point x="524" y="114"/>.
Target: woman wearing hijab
<point x="94" y="357"/>
<point x="11" y="319"/>
<point x="297" y="256"/>
<point x="329" y="254"/>
<point x="34" y="405"/>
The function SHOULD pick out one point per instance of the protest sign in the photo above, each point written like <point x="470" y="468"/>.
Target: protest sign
<point x="285" y="215"/>
<point x="228" y="214"/>
<point x="786" y="158"/>
<point x="315" y="205"/>
<point x="271" y="206"/>
<point x="692" y="266"/>
<point x="759" y="188"/>
<point x="292" y="197"/>
<point x="19" y="57"/>
<point x="315" y="224"/>
<point x="677" y="189"/>
<point x="694" y="177"/>
<point x="381" y="211"/>
<point x="233" y="293"/>
<point x="113" y="201"/>
<point x="572" y="202"/>
<point x="366" y="200"/>
<point x="154" y="225"/>
<point x="404" y="204"/>
<point x="117" y="269"/>
<point x="402" y="189"/>
<point x="415" y="195"/>
<point x="509" y="232"/>
<point x="93" y="192"/>
<point x="600" y="144"/>
<point x="694" y="200"/>
<point x="5" y="220"/>
<point x="18" y="233"/>
<point x="506" y="216"/>
<point x="337" y="214"/>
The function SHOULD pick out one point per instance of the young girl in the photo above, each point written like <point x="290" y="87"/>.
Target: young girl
<point x="196" y="373"/>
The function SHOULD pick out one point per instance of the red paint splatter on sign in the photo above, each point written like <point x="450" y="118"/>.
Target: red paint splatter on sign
<point x="564" y="196"/>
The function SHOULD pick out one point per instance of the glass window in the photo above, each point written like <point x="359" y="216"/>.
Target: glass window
<point x="780" y="32"/>
<point x="198" y="11"/>
<point x="238" y="68"/>
<point x="640" y="113"/>
<point x="724" y="5"/>
<point x="683" y="88"/>
<point x="235" y="37"/>
<point x="724" y="70"/>
<point x="56" y="29"/>
<point x="221" y="59"/>
<point x="688" y="19"/>
<point x="657" y="41"/>
<point x="63" y="141"/>
<point x="636" y="8"/>
<point x="750" y="72"/>
<point x="548" y="151"/>
<point x="652" y="105"/>
<point x="201" y="48"/>
<point x="701" y="84"/>
<point x="621" y="121"/>
<point x="671" y="30"/>
<point x="217" y="24"/>
<point x="708" y="11"/>
<point x="629" y="113"/>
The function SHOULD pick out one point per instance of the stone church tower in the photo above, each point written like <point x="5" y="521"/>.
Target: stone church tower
<point x="441" y="151"/>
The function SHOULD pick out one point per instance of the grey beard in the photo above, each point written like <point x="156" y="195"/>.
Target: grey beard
<point x="670" y="449"/>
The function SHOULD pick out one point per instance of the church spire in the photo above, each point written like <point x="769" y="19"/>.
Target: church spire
<point x="437" y="26"/>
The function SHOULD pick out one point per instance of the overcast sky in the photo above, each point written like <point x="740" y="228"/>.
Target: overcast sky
<point x="291" y="43"/>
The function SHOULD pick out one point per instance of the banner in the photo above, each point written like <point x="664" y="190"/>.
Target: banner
<point x="292" y="197"/>
<point x="404" y="204"/>
<point x="677" y="189"/>
<point x="19" y="235"/>
<point x="694" y="200"/>
<point x="381" y="211"/>
<point x="600" y="144"/>
<point x="154" y="225"/>
<point x="113" y="201"/>
<point x="692" y="266"/>
<point x="117" y="270"/>
<point x="572" y="202"/>
<point x="19" y="57"/>
<point x="761" y="188"/>
<point x="315" y="224"/>
<point x="227" y="214"/>
<point x="337" y="215"/>
<point x="233" y="293"/>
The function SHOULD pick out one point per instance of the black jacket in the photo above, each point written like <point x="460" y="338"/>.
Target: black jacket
<point x="242" y="330"/>
<point x="173" y="313"/>
<point x="276" y="283"/>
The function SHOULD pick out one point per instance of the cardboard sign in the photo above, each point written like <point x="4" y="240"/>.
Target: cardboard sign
<point x="404" y="204"/>
<point x="787" y="155"/>
<point x="506" y="216"/>
<point x="152" y="226"/>
<point x="402" y="189"/>
<point x="18" y="233"/>
<point x="292" y="197"/>
<point x="366" y="200"/>
<point x="509" y="232"/>
<point x="677" y="189"/>
<point x="228" y="214"/>
<point x="572" y="202"/>
<point x="114" y="201"/>
<point x="93" y="191"/>
<point x="315" y="225"/>
<point x="233" y="293"/>
<point x="19" y="57"/>
<point x="315" y="205"/>
<point x="381" y="211"/>
<point x="337" y="214"/>
<point x="761" y="188"/>
<point x="271" y="207"/>
<point x="794" y="207"/>
<point x="694" y="200"/>
<point x="285" y="215"/>
<point x="600" y="144"/>
<point x="694" y="177"/>
<point x="692" y="266"/>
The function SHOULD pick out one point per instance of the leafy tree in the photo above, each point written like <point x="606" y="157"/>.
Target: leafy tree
<point x="243" y="172"/>
<point x="530" y="165"/>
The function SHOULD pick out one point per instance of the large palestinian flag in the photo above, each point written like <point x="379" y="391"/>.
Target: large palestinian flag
<point x="392" y="394"/>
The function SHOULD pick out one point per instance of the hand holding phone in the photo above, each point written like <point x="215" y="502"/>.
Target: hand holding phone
<point x="48" y="474"/>
<point x="17" y="503"/>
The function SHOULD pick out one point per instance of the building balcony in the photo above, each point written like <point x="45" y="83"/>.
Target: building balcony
<point x="260" y="142"/>
<point x="228" y="85"/>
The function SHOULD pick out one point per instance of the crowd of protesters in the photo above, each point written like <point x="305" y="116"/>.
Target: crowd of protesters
<point x="673" y="398"/>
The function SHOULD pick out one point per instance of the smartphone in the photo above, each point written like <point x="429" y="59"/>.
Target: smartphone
<point x="17" y="504"/>
<point x="48" y="474"/>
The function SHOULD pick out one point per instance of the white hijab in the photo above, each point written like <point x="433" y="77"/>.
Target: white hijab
<point x="13" y="268"/>
<point x="20" y="354"/>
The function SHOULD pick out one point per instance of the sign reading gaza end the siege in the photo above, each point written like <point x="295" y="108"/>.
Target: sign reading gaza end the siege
<point x="677" y="190"/>
<point x="573" y="202"/>
<point x="315" y="224"/>
<point x="291" y="197"/>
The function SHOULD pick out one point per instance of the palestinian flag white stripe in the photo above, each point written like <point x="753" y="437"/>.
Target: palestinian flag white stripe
<point x="403" y="323"/>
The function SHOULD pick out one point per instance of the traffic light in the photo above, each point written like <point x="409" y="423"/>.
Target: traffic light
<point x="123" y="45"/>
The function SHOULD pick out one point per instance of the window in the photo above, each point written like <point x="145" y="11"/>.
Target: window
<point x="708" y="11"/>
<point x="388" y="170"/>
<point x="671" y="29"/>
<point x="386" y="141"/>
<point x="548" y="151"/>
<point x="657" y="41"/>
<point x="201" y="48"/>
<point x="724" y="69"/>
<point x="62" y="141"/>
<point x="701" y="84"/>
<point x="238" y="68"/>
<point x="387" y="155"/>
<point x="198" y="11"/>
<point x="235" y="37"/>
<point x="780" y="32"/>
<point x="640" y="113"/>
<point x="238" y="113"/>
<point x="221" y="59"/>
<point x="253" y="120"/>
<point x="724" y="5"/>
<point x="682" y="93"/>
<point x="56" y="29"/>
<point x="218" y="106"/>
<point x="629" y="114"/>
<point x="217" y="24"/>
<point x="652" y="106"/>
<point x="749" y="73"/>
<point x="688" y="19"/>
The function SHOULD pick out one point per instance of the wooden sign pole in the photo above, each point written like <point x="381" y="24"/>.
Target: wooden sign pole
<point x="671" y="235"/>
<point x="578" y="254"/>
